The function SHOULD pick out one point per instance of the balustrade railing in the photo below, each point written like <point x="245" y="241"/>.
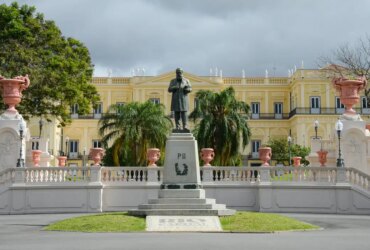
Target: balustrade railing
<point x="141" y="175"/>
<point x="128" y="174"/>
<point x="38" y="175"/>
<point x="232" y="174"/>
<point x="303" y="174"/>
<point x="6" y="176"/>
<point x="358" y="178"/>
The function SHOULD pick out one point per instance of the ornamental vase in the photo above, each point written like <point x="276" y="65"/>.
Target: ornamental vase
<point x="153" y="155"/>
<point x="207" y="155"/>
<point x="11" y="91"/>
<point x="36" y="157"/>
<point x="297" y="161"/>
<point x="322" y="157"/>
<point x="349" y="92"/>
<point x="62" y="161"/>
<point x="96" y="154"/>
<point x="265" y="155"/>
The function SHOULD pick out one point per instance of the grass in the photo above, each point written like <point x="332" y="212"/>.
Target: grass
<point x="122" y="222"/>
<point x="109" y="222"/>
<point x="262" y="222"/>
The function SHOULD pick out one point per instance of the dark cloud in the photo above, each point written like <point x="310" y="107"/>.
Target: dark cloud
<point x="160" y="35"/>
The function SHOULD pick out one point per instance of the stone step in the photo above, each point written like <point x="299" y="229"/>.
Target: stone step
<point x="176" y="206"/>
<point x="182" y="193"/>
<point x="181" y="201"/>
<point x="182" y="212"/>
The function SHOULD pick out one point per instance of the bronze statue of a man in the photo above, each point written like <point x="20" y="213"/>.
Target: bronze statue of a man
<point x="180" y="88"/>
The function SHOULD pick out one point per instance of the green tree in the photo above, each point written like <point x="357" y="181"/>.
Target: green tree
<point x="221" y="124"/>
<point x="132" y="129"/>
<point x="280" y="151"/>
<point x="59" y="68"/>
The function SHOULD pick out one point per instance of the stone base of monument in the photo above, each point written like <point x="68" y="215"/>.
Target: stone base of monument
<point x="182" y="203"/>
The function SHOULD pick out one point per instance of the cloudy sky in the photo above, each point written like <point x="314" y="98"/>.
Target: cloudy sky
<point x="232" y="35"/>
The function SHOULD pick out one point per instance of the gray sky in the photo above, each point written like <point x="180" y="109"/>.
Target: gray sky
<point x="254" y="35"/>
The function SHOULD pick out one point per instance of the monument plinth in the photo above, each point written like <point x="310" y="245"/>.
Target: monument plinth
<point x="181" y="192"/>
<point x="181" y="169"/>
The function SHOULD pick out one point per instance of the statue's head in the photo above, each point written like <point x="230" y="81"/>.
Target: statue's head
<point x="179" y="72"/>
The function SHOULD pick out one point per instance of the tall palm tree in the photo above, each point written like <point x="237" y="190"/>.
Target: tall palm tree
<point x="132" y="129"/>
<point x="221" y="123"/>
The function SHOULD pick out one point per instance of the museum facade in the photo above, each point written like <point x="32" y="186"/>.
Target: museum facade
<point x="280" y="107"/>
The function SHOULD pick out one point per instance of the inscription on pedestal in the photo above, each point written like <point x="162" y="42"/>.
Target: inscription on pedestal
<point x="183" y="223"/>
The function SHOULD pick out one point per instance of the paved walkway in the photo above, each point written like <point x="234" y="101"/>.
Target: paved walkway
<point x="340" y="232"/>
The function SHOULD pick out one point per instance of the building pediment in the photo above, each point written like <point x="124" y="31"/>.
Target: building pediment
<point x="164" y="79"/>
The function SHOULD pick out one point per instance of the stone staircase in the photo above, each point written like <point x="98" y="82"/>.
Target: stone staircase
<point x="180" y="202"/>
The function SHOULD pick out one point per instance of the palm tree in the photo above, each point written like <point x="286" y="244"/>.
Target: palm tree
<point x="221" y="123"/>
<point x="133" y="128"/>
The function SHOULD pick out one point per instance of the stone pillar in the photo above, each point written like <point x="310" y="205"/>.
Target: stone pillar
<point x="207" y="174"/>
<point x="181" y="165"/>
<point x="153" y="174"/>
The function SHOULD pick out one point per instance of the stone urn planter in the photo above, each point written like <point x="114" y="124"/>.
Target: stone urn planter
<point x="349" y="92"/>
<point x="36" y="157"/>
<point x="265" y="155"/>
<point x="368" y="126"/>
<point x="62" y="161"/>
<point x="207" y="155"/>
<point x="96" y="154"/>
<point x="322" y="157"/>
<point x="153" y="155"/>
<point x="297" y="161"/>
<point x="11" y="91"/>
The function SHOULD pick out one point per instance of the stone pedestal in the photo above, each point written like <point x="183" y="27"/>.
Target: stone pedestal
<point x="181" y="166"/>
<point x="181" y="193"/>
<point x="10" y="143"/>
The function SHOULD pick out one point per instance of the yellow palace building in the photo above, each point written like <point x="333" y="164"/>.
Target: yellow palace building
<point x="280" y="106"/>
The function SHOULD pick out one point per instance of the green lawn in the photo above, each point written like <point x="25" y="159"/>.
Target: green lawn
<point x="122" y="222"/>
<point x="262" y="222"/>
<point x="108" y="222"/>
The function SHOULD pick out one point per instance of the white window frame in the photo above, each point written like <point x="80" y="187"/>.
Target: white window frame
<point x="256" y="109"/>
<point x="255" y="144"/>
<point x="278" y="109"/>
<point x="365" y="107"/>
<point x="315" y="104"/>
<point x="96" y="144"/>
<point x="98" y="110"/>
<point x="74" y="111"/>
<point x="339" y="107"/>
<point x="155" y="100"/>
<point x="73" y="149"/>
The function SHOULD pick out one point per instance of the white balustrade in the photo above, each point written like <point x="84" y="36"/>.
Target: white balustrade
<point x="358" y="178"/>
<point x="233" y="174"/>
<point x="128" y="174"/>
<point x="6" y="176"/>
<point x="39" y="175"/>
<point x="142" y="175"/>
<point x="303" y="174"/>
